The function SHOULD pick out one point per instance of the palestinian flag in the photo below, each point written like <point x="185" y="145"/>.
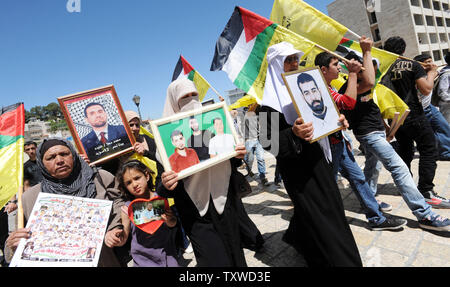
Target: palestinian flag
<point x="12" y="126"/>
<point x="184" y="69"/>
<point x="242" y="47"/>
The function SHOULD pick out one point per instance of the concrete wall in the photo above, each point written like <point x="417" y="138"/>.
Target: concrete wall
<point x="352" y="14"/>
<point x="395" y="19"/>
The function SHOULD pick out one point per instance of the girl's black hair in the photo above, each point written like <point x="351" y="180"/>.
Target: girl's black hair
<point x="136" y="165"/>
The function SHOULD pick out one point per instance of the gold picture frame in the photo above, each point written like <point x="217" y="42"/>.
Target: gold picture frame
<point x="119" y="138"/>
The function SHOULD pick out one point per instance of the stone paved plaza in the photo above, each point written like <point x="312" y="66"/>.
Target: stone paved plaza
<point x="271" y="209"/>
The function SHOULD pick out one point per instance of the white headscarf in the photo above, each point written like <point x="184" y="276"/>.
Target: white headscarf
<point x="212" y="182"/>
<point x="276" y="94"/>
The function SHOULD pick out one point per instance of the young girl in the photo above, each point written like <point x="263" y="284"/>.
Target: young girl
<point x="159" y="249"/>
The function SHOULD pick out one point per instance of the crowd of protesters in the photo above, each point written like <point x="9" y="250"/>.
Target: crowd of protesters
<point x="208" y="212"/>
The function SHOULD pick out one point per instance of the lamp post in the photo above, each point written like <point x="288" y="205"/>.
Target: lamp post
<point x="137" y="100"/>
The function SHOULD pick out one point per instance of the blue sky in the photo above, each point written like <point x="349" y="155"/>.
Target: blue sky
<point x="47" y="52"/>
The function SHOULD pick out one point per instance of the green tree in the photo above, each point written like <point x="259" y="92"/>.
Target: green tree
<point x="58" y="125"/>
<point x="52" y="112"/>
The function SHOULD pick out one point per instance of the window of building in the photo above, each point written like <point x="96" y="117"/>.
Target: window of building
<point x="376" y="35"/>
<point x="447" y="22"/>
<point x="372" y="18"/>
<point x="443" y="37"/>
<point x="426" y="4"/>
<point x="437" y="55"/>
<point x="422" y="38"/>
<point x="436" y="6"/>
<point x="415" y="3"/>
<point x="439" y="21"/>
<point x="426" y="53"/>
<point x="418" y="19"/>
<point x="433" y="38"/>
<point x="444" y="6"/>
<point x="430" y="21"/>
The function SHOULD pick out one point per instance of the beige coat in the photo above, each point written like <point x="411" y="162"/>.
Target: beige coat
<point x="108" y="190"/>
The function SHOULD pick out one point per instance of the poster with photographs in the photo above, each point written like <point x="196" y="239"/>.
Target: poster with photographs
<point x="97" y="123"/>
<point x="192" y="141"/>
<point x="66" y="231"/>
<point x="313" y="101"/>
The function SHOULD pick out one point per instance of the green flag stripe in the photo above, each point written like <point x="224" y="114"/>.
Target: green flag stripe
<point x="7" y="140"/>
<point x="249" y="73"/>
<point x="191" y="75"/>
<point x="347" y="44"/>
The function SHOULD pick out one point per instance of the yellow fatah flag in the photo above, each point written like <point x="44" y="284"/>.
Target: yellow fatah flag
<point x="144" y="131"/>
<point x="305" y="20"/>
<point x="245" y="101"/>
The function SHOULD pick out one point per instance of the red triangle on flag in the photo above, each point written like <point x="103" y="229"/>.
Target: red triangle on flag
<point x="343" y="40"/>
<point x="12" y="122"/>
<point x="253" y="23"/>
<point x="187" y="68"/>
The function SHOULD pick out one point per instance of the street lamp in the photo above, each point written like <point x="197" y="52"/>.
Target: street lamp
<point x="137" y="100"/>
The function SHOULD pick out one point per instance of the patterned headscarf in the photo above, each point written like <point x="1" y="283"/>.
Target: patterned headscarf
<point x="79" y="183"/>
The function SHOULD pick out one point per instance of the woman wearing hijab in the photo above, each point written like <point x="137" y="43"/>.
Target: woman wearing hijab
<point x="318" y="229"/>
<point x="65" y="172"/>
<point x="145" y="145"/>
<point x="206" y="201"/>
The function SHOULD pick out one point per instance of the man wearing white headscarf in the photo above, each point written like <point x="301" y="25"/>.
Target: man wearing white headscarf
<point x="206" y="201"/>
<point x="318" y="229"/>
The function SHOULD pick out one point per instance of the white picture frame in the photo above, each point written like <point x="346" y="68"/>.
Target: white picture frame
<point x="315" y="95"/>
<point x="163" y="128"/>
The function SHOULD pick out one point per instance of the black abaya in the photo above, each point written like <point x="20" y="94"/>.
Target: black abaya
<point x="215" y="238"/>
<point x="318" y="228"/>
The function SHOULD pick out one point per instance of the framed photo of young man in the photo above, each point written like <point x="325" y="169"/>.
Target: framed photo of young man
<point x="192" y="141"/>
<point x="98" y="124"/>
<point x="313" y="101"/>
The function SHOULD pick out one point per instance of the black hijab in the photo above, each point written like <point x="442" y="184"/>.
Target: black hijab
<point x="79" y="183"/>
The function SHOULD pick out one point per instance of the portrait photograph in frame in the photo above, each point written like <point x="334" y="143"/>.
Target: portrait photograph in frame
<point x="313" y="101"/>
<point x="192" y="141"/>
<point x="98" y="124"/>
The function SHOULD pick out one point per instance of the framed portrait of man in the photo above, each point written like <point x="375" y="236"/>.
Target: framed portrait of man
<point x="97" y="123"/>
<point x="192" y="141"/>
<point x="313" y="101"/>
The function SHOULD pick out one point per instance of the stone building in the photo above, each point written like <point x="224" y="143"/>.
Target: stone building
<point x="424" y="24"/>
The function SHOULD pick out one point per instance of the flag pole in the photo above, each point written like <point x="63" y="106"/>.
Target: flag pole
<point x="212" y="88"/>
<point x="354" y="34"/>
<point x="401" y="57"/>
<point x="398" y="123"/>
<point x="336" y="55"/>
<point x="20" y="218"/>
